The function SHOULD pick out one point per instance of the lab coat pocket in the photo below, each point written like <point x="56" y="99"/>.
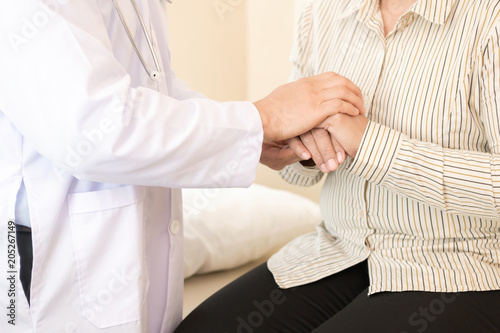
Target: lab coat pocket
<point x="108" y="243"/>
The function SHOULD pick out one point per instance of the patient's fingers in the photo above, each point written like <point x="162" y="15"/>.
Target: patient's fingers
<point x="319" y="144"/>
<point x="322" y="147"/>
<point x="341" y="154"/>
<point x="298" y="147"/>
<point x="326" y="149"/>
<point x="309" y="142"/>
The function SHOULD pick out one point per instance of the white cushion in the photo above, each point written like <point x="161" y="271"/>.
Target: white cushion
<point x="227" y="228"/>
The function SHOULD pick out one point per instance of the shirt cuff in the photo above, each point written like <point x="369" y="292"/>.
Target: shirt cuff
<point x="297" y="174"/>
<point x="377" y="152"/>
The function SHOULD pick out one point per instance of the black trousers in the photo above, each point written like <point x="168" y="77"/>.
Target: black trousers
<point x="25" y="250"/>
<point x="339" y="303"/>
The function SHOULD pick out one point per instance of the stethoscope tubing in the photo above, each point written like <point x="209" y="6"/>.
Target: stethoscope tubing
<point x="155" y="74"/>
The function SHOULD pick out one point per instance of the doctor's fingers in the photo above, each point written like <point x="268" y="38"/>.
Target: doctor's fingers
<point x="320" y="145"/>
<point x="331" y="79"/>
<point x="343" y="94"/>
<point x="281" y="159"/>
<point x="341" y="87"/>
<point x="331" y="107"/>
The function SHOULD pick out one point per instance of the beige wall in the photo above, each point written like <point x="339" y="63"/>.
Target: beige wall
<point x="209" y="51"/>
<point x="269" y="39"/>
<point x="237" y="51"/>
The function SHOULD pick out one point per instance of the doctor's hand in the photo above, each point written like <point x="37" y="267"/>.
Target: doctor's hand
<point x="277" y="155"/>
<point x="297" y="107"/>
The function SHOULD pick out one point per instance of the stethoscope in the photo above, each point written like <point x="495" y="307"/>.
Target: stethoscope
<point x="153" y="74"/>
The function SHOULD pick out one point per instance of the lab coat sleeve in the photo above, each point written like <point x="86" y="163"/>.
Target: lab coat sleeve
<point x="181" y="90"/>
<point x="71" y="99"/>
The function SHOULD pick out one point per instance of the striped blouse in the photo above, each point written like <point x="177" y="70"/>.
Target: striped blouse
<point x="421" y="200"/>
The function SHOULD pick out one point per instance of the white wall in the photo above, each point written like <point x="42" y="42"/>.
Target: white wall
<point x="238" y="50"/>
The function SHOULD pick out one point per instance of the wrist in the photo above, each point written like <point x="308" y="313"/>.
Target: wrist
<point x="261" y="106"/>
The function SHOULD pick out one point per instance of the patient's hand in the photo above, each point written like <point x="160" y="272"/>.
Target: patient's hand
<point x="336" y="136"/>
<point x="347" y="130"/>
<point x="326" y="152"/>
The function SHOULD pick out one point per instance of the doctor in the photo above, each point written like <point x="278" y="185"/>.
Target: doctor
<point x="97" y="135"/>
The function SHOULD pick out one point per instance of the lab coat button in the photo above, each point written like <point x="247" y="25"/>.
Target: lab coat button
<point x="175" y="226"/>
<point x="155" y="76"/>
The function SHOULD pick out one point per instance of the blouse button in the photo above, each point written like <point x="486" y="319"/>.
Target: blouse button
<point x="175" y="226"/>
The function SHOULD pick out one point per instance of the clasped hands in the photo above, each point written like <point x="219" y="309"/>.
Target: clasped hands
<point x="318" y="120"/>
<point x="329" y="145"/>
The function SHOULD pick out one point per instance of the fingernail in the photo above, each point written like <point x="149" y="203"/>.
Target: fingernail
<point x="340" y="157"/>
<point x="332" y="164"/>
<point x="305" y="156"/>
<point x="324" y="168"/>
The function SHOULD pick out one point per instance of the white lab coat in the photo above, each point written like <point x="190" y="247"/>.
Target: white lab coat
<point x="100" y="147"/>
